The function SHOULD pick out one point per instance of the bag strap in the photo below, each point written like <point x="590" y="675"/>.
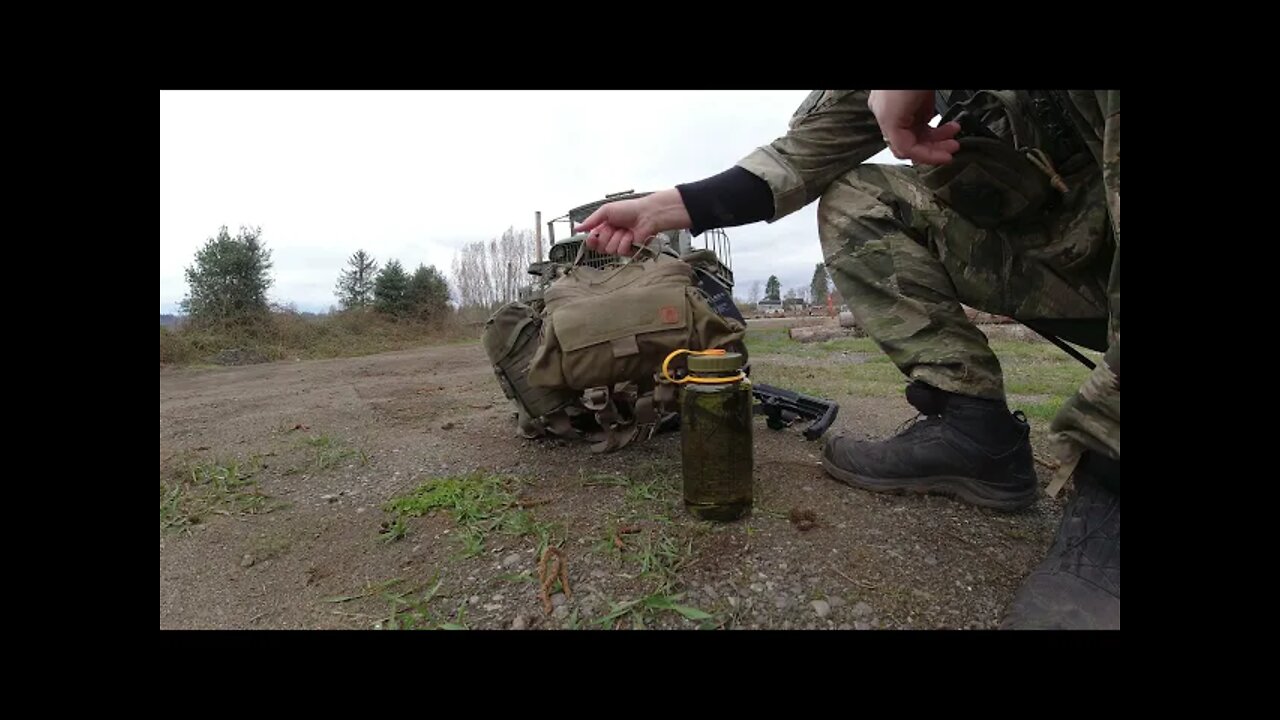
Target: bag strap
<point x="641" y="249"/>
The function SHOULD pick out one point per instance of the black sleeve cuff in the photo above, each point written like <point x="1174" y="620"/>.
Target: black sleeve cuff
<point x="734" y="197"/>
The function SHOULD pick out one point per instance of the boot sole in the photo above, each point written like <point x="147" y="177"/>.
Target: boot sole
<point x="966" y="489"/>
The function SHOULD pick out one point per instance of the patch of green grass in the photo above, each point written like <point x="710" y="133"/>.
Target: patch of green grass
<point x="869" y="379"/>
<point x="321" y="452"/>
<point x="660" y="558"/>
<point x="199" y="488"/>
<point x="1043" y="411"/>
<point x="643" y="611"/>
<point x="648" y="482"/>
<point x="1040" y="351"/>
<point x="479" y="503"/>
<point x="327" y="452"/>
<point x="407" y="610"/>
<point x="605" y="480"/>
<point x="369" y="590"/>
<point x="1043" y="378"/>
<point x="1030" y="368"/>
<point x="640" y="491"/>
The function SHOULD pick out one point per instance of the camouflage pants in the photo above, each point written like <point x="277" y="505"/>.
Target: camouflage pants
<point x="905" y="262"/>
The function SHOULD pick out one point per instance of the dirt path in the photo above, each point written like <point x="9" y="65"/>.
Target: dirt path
<point x="338" y="438"/>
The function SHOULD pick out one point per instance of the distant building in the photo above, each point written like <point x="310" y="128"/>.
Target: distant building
<point x="770" y="307"/>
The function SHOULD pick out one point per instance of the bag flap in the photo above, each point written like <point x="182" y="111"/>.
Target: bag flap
<point x="634" y="311"/>
<point x="585" y="282"/>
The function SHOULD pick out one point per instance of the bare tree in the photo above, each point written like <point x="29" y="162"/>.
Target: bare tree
<point x="754" y="295"/>
<point x="489" y="274"/>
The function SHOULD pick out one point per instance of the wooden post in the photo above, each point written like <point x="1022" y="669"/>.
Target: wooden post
<point x="537" y="232"/>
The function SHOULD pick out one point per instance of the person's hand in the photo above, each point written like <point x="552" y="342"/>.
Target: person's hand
<point x="903" y="116"/>
<point x="617" y="228"/>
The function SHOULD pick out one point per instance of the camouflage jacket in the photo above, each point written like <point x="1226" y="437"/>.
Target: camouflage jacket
<point x="832" y="132"/>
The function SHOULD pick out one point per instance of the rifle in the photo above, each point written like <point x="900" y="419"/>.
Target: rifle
<point x="784" y="407"/>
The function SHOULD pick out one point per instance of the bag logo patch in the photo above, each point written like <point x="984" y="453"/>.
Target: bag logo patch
<point x="669" y="314"/>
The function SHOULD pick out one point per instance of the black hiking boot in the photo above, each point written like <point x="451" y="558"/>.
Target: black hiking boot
<point x="969" y="448"/>
<point x="1077" y="587"/>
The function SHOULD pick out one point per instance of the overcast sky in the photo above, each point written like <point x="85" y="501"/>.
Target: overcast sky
<point x="414" y="175"/>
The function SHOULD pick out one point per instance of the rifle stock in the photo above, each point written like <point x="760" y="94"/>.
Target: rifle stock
<point x="783" y="407"/>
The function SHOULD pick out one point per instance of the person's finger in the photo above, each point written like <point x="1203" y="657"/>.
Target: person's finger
<point x="619" y="243"/>
<point x="626" y="242"/>
<point x="942" y="149"/>
<point x="605" y="237"/>
<point x="599" y="238"/>
<point x="932" y="154"/>
<point x="901" y="141"/>
<point x="592" y="220"/>
<point x="940" y="133"/>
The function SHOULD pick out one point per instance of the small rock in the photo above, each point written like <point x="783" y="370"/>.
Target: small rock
<point x="822" y="607"/>
<point x="520" y="623"/>
<point x="490" y="607"/>
<point x="511" y="560"/>
<point x="921" y="594"/>
<point x="757" y="587"/>
<point x="359" y="510"/>
<point x="473" y="599"/>
<point x="558" y="599"/>
<point x="447" y="426"/>
<point x="783" y="602"/>
<point x="246" y="561"/>
<point x="499" y="597"/>
<point x="930" y="560"/>
<point x="861" y="610"/>
<point x="859" y="625"/>
<point x="329" y="498"/>
<point x="733" y="602"/>
<point x="418" y="548"/>
<point x="769" y="585"/>
<point x="845" y="627"/>
<point x="836" y="601"/>
<point x="561" y="612"/>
